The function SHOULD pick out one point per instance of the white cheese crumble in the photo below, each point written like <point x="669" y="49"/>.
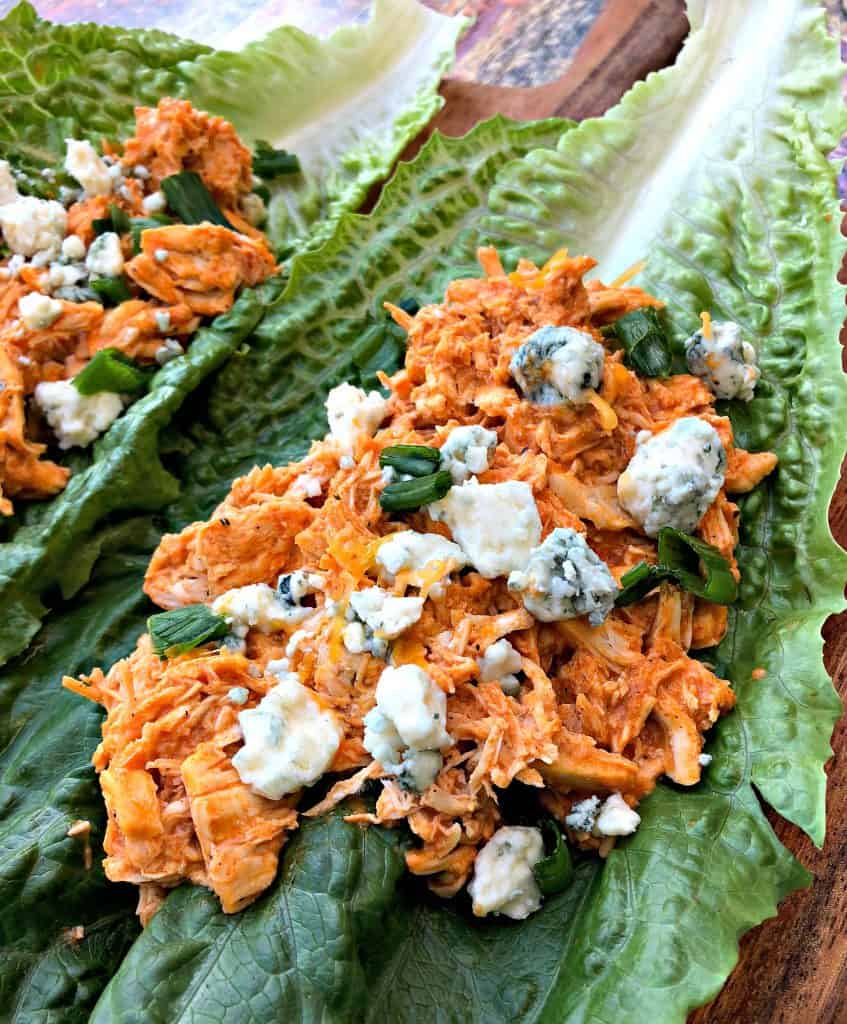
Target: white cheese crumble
<point x="34" y="226"/>
<point x="261" y="607"/>
<point x="674" y="476"/>
<point x="238" y="694"/>
<point x="73" y="248"/>
<point x="156" y="202"/>
<point x="564" y="579"/>
<point x="558" y="364"/>
<point x="503" y="881"/>
<point x="290" y="740"/>
<point x="496" y="525"/>
<point x="76" y="419"/>
<point x="411" y="713"/>
<point x="38" y="311"/>
<point x="83" y="163"/>
<point x="353" y="413"/>
<point x="8" y="188"/>
<point x="499" y="662"/>
<point x="704" y="760"/>
<point x="168" y="350"/>
<point x="584" y="814"/>
<point x="386" y="615"/>
<point x="163" y="320"/>
<point x="160" y="255"/>
<point x="616" y="818"/>
<point x="725" y="362"/>
<point x="306" y="486"/>
<point x="105" y="258"/>
<point x="467" y="450"/>
<point x="416" y="552"/>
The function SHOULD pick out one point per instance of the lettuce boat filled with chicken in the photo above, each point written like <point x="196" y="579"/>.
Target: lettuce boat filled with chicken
<point x="488" y="606"/>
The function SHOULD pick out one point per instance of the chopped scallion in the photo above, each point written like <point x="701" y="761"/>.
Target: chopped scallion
<point x="110" y="370"/>
<point x="690" y="563"/>
<point x="414" y="459"/>
<point x="270" y="163"/>
<point x="182" y="629"/>
<point x="409" y="495"/>
<point x="553" y="874"/>
<point x="189" y="198"/>
<point x="645" y="342"/>
<point x="111" y="291"/>
<point x="117" y="221"/>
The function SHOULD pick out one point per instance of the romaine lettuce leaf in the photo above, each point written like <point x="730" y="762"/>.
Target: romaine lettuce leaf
<point x="346" y="105"/>
<point x="47" y="736"/>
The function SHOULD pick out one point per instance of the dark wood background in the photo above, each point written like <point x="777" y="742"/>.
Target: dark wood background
<point x="793" y="968"/>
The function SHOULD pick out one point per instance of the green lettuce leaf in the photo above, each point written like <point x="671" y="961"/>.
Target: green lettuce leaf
<point x="47" y="735"/>
<point x="716" y="172"/>
<point x="346" y="105"/>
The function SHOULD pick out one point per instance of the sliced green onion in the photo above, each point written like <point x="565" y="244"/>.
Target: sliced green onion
<point x="111" y="291"/>
<point x="414" y="459"/>
<point x="117" y="221"/>
<point x="139" y="224"/>
<point x="553" y="874"/>
<point x="182" y="629"/>
<point x="409" y="495"/>
<point x="645" y="342"/>
<point x="270" y="163"/>
<point x="191" y="200"/>
<point x="110" y="370"/>
<point x="690" y="563"/>
<point x="699" y="567"/>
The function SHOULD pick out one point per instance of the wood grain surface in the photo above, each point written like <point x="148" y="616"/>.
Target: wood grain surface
<point x="793" y="968"/>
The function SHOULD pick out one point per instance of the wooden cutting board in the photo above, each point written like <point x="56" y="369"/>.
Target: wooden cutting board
<point x="794" y="967"/>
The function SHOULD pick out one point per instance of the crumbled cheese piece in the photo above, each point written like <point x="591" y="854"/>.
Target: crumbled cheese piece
<point x="388" y="474"/>
<point x="616" y="818"/>
<point x="386" y="615"/>
<point x="254" y="210"/>
<point x="83" y="163"/>
<point x="306" y="486"/>
<point x="704" y="760"/>
<point x="467" y="450"/>
<point x="503" y="881"/>
<point x="60" y="276"/>
<point x="76" y="419"/>
<point x="290" y="739"/>
<point x="154" y="203"/>
<point x="105" y="258"/>
<point x="725" y="362"/>
<point x="238" y="694"/>
<point x="415" y="552"/>
<point x="38" y="311"/>
<point x="564" y="579"/>
<point x="352" y="413"/>
<point x="168" y="350"/>
<point x="293" y="587"/>
<point x="163" y="320"/>
<point x="278" y="667"/>
<point x="584" y="814"/>
<point x="8" y="189"/>
<point x="160" y="255"/>
<point x="674" y="476"/>
<point x="410" y="712"/>
<point x="419" y="769"/>
<point x="34" y="226"/>
<point x="258" y="606"/>
<point x="73" y="248"/>
<point x="141" y="172"/>
<point x="496" y="525"/>
<point x="500" y="662"/>
<point x="558" y="364"/>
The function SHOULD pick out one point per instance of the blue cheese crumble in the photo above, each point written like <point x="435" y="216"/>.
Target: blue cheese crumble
<point x="564" y="579"/>
<point x="499" y="663"/>
<point x="611" y="817"/>
<point x="84" y="163"/>
<point x="468" y="451"/>
<point x="290" y="739"/>
<point x="558" y="364"/>
<point x="105" y="258"/>
<point x="377" y="617"/>
<point x="76" y="419"/>
<point x="496" y="525"/>
<point x="352" y="413"/>
<point x="408" y="720"/>
<point x="503" y="881"/>
<point x="725" y="362"/>
<point x="674" y="476"/>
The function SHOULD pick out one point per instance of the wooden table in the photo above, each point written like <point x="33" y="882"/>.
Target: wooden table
<point x="793" y="968"/>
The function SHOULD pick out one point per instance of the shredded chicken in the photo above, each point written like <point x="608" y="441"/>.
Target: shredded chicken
<point x="599" y="709"/>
